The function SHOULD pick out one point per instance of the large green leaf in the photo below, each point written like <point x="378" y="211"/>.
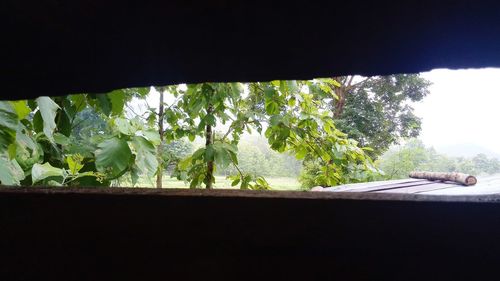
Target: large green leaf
<point x="300" y="152"/>
<point x="8" y="116"/>
<point x="235" y="182"/>
<point x="113" y="156"/>
<point x="237" y="89"/>
<point x="61" y="139"/>
<point x="271" y="107"/>
<point x="222" y="156"/>
<point x="210" y="120"/>
<point x="38" y="122"/>
<point x="209" y="153"/>
<point x="79" y="101"/>
<point x="134" y="174"/>
<point x="43" y="171"/>
<point x="124" y="126"/>
<point x="74" y="163"/>
<point x="198" y="154"/>
<point x="21" y="108"/>
<point x="153" y="136"/>
<point x="117" y="98"/>
<point x="292" y="86"/>
<point x="141" y="91"/>
<point x="104" y="104"/>
<point x="28" y="152"/>
<point x="48" y="110"/>
<point x="10" y="172"/>
<point x="64" y="125"/>
<point x="145" y="158"/>
<point x="8" y="126"/>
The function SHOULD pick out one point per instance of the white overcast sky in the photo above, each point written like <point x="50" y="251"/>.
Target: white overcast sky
<point x="463" y="107"/>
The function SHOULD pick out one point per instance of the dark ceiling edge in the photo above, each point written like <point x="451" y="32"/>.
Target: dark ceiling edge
<point x="62" y="47"/>
<point x="138" y="192"/>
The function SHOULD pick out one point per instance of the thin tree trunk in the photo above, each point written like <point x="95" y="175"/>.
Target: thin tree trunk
<point x="341" y="92"/>
<point x="208" y="141"/>
<point x="161" y="131"/>
<point x="339" y="105"/>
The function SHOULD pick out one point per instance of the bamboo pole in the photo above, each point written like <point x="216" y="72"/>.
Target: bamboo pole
<point x="460" y="178"/>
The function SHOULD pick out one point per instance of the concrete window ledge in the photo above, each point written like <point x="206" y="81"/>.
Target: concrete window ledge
<point x="226" y="193"/>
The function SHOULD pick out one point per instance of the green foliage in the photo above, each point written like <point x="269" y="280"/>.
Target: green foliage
<point x="86" y="139"/>
<point x="68" y="140"/>
<point x="310" y="175"/>
<point x="49" y="175"/>
<point x="248" y="181"/>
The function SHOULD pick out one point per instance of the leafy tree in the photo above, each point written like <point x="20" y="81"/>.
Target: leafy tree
<point x="299" y="124"/>
<point x="376" y="111"/>
<point x="294" y="121"/>
<point x="197" y="112"/>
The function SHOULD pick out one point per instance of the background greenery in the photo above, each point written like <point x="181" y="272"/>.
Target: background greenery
<point x="413" y="155"/>
<point x="264" y="135"/>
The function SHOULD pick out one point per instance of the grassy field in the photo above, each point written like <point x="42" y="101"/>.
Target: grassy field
<point x="277" y="183"/>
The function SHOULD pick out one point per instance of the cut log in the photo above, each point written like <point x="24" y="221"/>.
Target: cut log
<point x="460" y="178"/>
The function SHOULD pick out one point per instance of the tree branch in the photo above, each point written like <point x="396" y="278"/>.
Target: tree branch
<point x="237" y="168"/>
<point x="227" y="133"/>
<point x="350" y="81"/>
<point x="359" y="83"/>
<point x="131" y="109"/>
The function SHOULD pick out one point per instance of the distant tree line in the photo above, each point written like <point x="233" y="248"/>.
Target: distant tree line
<point x="400" y="160"/>
<point x="257" y="158"/>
